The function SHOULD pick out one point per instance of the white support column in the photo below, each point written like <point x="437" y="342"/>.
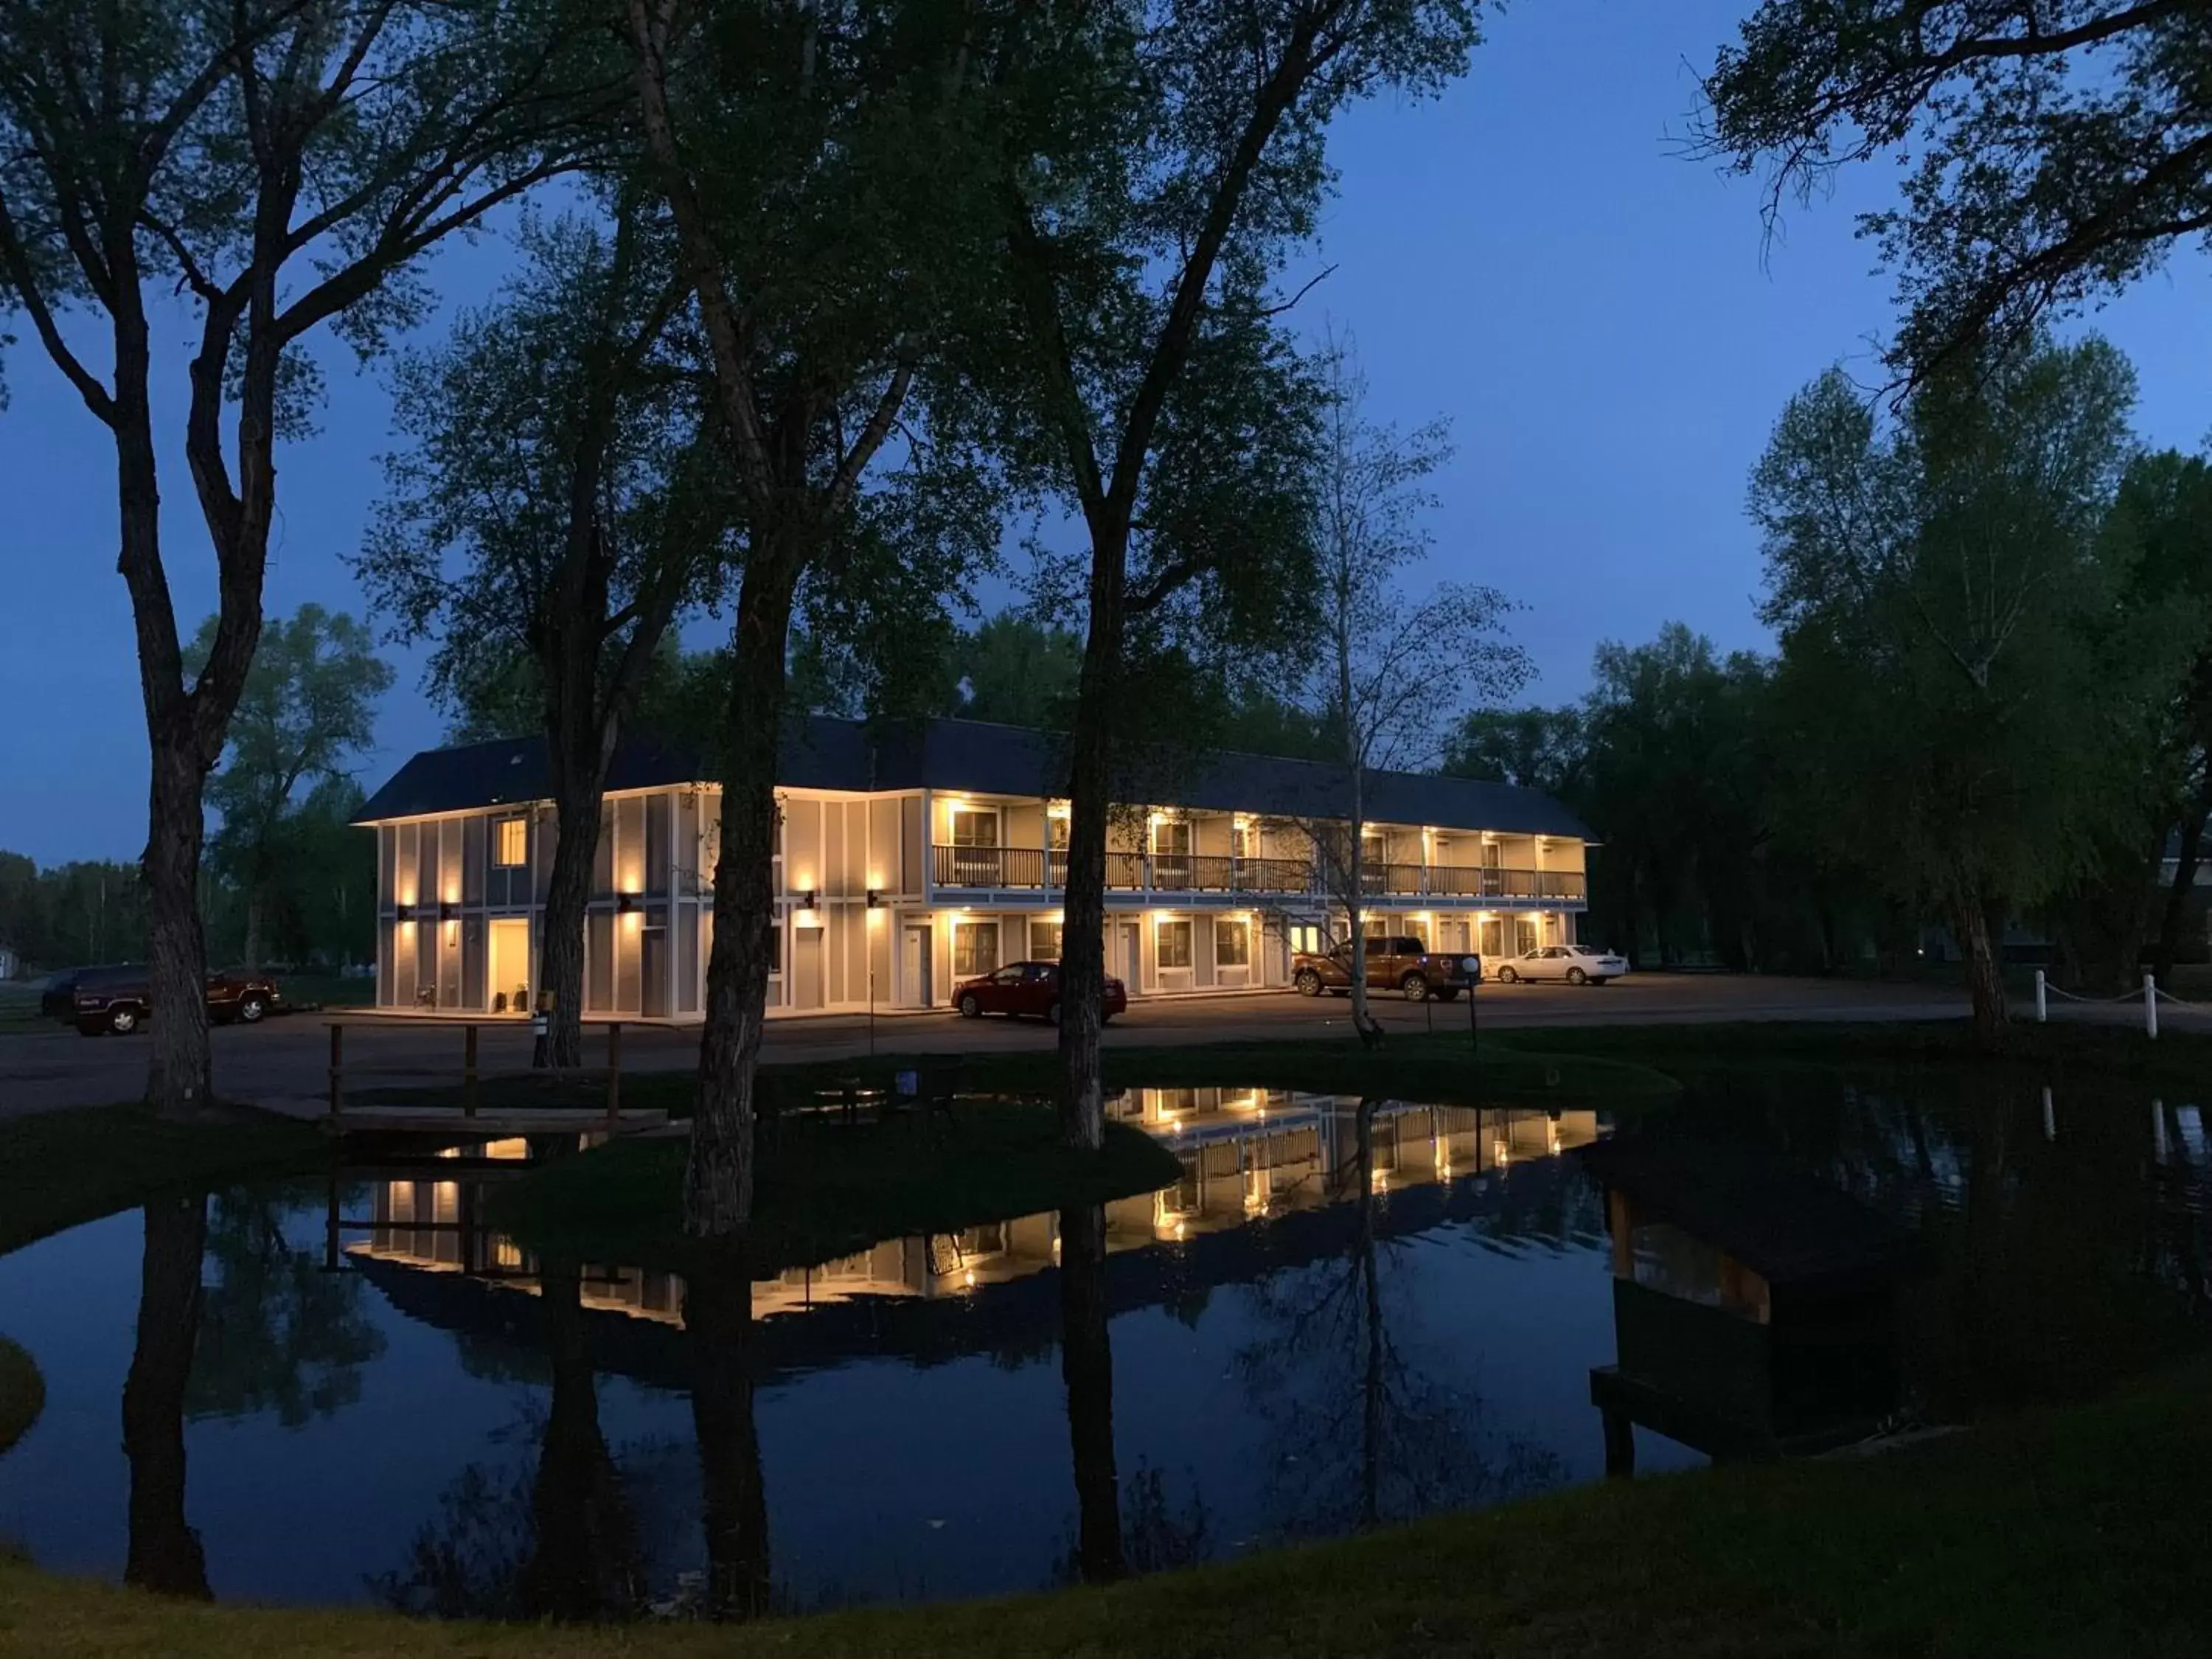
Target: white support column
<point x="2042" y="1010"/>
<point x="2150" y="1007"/>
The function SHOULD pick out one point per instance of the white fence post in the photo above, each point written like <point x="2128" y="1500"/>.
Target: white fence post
<point x="2042" y="1005"/>
<point x="2150" y="1005"/>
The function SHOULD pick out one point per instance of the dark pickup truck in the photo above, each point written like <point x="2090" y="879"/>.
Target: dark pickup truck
<point x="120" y="999"/>
<point x="1401" y="964"/>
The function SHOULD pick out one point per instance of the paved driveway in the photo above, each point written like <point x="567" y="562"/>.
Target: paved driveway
<point x="285" y="1062"/>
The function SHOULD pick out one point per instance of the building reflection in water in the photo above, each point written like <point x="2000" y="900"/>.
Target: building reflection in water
<point x="1246" y="1154"/>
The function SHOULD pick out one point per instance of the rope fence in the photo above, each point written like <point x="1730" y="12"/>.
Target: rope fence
<point x="2149" y="995"/>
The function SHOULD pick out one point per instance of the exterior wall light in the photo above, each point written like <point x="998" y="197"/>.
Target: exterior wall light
<point x="626" y="901"/>
<point x="448" y="910"/>
<point x="405" y="911"/>
<point x="875" y="898"/>
<point x="808" y="897"/>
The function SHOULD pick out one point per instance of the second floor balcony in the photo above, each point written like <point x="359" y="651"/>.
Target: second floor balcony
<point x="1033" y="870"/>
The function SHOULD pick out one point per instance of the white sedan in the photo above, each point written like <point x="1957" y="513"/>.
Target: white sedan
<point x="1577" y="964"/>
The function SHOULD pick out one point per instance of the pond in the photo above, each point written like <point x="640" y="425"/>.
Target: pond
<point x="350" y="1390"/>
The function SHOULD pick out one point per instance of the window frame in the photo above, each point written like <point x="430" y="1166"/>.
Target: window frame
<point x="1161" y="930"/>
<point x="519" y="823"/>
<point x="1241" y="928"/>
<point x="975" y="931"/>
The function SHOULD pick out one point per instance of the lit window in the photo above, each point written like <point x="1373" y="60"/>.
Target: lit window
<point x="973" y="829"/>
<point x="1232" y="942"/>
<point x="513" y="850"/>
<point x="975" y="948"/>
<point x="1174" y="940"/>
<point x="1045" y="940"/>
<point x="1056" y="830"/>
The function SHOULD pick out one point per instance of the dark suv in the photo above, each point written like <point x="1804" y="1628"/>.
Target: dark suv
<point x="120" y="999"/>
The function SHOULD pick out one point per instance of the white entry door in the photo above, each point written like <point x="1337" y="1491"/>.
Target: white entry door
<point x="1131" y="968"/>
<point x="914" y="968"/>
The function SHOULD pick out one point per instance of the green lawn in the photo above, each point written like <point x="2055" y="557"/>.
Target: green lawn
<point x="1514" y="1068"/>
<point x="2071" y="1533"/>
<point x="19" y="1008"/>
<point x="824" y="1190"/>
<point x="60" y="1168"/>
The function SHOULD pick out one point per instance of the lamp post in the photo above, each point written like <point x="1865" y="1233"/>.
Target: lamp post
<point x="1472" y="966"/>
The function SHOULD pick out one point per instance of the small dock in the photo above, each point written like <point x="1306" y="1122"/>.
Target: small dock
<point x="496" y="1116"/>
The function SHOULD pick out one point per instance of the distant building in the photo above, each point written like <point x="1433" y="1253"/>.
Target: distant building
<point x="907" y="862"/>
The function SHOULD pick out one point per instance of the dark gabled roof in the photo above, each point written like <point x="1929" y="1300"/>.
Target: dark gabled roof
<point x="1779" y="1221"/>
<point x="824" y="753"/>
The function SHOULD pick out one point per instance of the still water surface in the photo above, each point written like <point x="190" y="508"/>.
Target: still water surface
<point x="1310" y="1334"/>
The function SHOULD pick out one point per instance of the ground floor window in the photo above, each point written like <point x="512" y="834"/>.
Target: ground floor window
<point x="1044" y="941"/>
<point x="1526" y="935"/>
<point x="1305" y="939"/>
<point x="975" y="948"/>
<point x="1173" y="943"/>
<point x="1232" y="942"/>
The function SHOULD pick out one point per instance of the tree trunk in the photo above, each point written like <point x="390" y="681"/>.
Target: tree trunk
<point x="717" y="1177"/>
<point x="2188" y="854"/>
<point x="1083" y="932"/>
<point x="254" y="907"/>
<point x="1086" y="1365"/>
<point x="1984" y="970"/>
<point x="177" y="1078"/>
<point x="718" y="1312"/>
<point x="164" y="1551"/>
<point x="567" y="897"/>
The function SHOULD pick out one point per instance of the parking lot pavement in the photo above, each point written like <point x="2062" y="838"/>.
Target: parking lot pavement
<point x="285" y="1062"/>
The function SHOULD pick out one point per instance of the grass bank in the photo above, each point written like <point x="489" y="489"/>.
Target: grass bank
<point x="824" y="1190"/>
<point x="2076" y="1533"/>
<point x="1511" y="1068"/>
<point x="2064" y="1047"/>
<point x="22" y="1394"/>
<point x="61" y="1168"/>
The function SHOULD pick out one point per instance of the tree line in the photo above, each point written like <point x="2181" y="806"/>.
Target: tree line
<point x="812" y="299"/>
<point x="1989" y="708"/>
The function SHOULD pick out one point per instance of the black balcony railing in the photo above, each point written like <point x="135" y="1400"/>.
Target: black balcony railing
<point x="1003" y="869"/>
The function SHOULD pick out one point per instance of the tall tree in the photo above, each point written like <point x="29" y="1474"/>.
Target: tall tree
<point x="1941" y="587"/>
<point x="2163" y="519"/>
<point x="1017" y="670"/>
<point x="819" y="165"/>
<point x="1532" y="748"/>
<point x="309" y="706"/>
<point x="1394" y="671"/>
<point x="284" y="165"/>
<point x="559" y="450"/>
<point x="2058" y="149"/>
<point x="1188" y="146"/>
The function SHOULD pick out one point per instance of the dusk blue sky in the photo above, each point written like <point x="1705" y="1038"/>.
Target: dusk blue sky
<point x="1531" y="256"/>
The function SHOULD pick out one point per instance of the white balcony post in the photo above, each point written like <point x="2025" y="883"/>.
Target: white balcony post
<point x="2042" y="1003"/>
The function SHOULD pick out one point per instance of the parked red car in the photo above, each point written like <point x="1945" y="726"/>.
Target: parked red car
<point x="1029" y="988"/>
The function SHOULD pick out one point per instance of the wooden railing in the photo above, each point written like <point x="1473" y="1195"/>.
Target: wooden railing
<point x="473" y="1076"/>
<point x="1004" y="869"/>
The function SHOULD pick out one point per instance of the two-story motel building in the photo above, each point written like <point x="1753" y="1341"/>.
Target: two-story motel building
<point x="911" y="857"/>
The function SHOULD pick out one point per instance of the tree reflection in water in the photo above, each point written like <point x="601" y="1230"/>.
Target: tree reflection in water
<point x="718" y="1311"/>
<point x="164" y="1553"/>
<point x="558" y="1540"/>
<point x="1364" y="1435"/>
<point x="1086" y="1363"/>
<point x="278" y="1333"/>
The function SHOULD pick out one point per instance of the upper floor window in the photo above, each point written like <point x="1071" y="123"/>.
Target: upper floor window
<point x="511" y="849"/>
<point x="973" y="828"/>
<point x="1239" y="841"/>
<point x="1055" y="828"/>
<point x="1171" y="837"/>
